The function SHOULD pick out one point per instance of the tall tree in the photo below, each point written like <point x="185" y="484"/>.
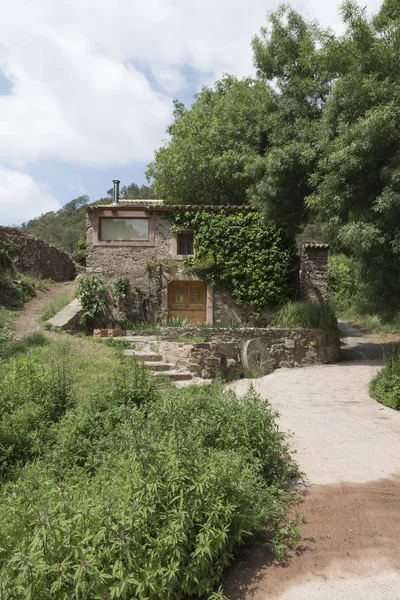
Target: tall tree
<point x="210" y="154"/>
<point x="357" y="179"/>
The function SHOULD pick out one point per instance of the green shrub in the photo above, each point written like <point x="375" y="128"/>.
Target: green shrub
<point x="307" y="315"/>
<point x="385" y="386"/>
<point x="145" y="495"/>
<point x="344" y="283"/>
<point x="178" y="322"/>
<point x="31" y="398"/>
<point x="95" y="298"/>
<point x="116" y="343"/>
<point x="15" y="290"/>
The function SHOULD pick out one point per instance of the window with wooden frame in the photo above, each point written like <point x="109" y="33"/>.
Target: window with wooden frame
<point x="185" y="243"/>
<point x="121" y="227"/>
<point x="128" y="229"/>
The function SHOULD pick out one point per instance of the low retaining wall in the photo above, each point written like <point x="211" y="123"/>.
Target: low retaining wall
<point x="253" y="347"/>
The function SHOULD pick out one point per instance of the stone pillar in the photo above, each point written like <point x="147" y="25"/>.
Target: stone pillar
<point x="314" y="271"/>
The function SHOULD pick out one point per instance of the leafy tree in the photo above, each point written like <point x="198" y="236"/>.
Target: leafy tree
<point x="357" y="179"/>
<point x="212" y="146"/>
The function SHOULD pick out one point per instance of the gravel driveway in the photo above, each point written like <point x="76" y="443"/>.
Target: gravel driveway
<point x="349" y="447"/>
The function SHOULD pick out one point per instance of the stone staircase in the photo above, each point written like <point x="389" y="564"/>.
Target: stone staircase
<point x="157" y="363"/>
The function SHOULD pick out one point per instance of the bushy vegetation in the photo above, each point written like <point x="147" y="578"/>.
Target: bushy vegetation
<point x="308" y="315"/>
<point x="137" y="492"/>
<point x="385" y="386"/>
<point x="242" y="254"/>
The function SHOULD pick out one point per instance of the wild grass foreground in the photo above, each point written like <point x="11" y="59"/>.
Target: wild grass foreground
<point x="116" y="487"/>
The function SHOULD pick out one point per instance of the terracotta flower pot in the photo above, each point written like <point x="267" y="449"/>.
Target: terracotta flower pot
<point x="114" y="332"/>
<point x="100" y="332"/>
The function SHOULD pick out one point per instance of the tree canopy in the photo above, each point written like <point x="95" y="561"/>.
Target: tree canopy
<point x="313" y="138"/>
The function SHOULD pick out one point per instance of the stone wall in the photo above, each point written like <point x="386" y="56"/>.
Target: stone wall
<point x="281" y="347"/>
<point x="36" y="258"/>
<point x="314" y="271"/>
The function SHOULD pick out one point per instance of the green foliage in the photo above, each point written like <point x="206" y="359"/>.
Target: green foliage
<point x="95" y="298"/>
<point x="385" y="386"/>
<point x="63" y="228"/>
<point x="80" y="251"/>
<point x="307" y="315"/>
<point x="10" y="348"/>
<point x="122" y="287"/>
<point x="178" y="322"/>
<point x="120" y="344"/>
<point x="55" y="306"/>
<point x="16" y="289"/>
<point x="313" y="141"/>
<point x="148" y="500"/>
<point x="212" y="144"/>
<point x="32" y="397"/>
<point x="242" y="254"/>
<point x="344" y="283"/>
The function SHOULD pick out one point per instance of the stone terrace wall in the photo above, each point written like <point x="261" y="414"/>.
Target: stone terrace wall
<point x="36" y="258"/>
<point x="287" y="347"/>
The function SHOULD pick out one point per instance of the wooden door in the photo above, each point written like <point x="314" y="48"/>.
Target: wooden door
<point x="187" y="299"/>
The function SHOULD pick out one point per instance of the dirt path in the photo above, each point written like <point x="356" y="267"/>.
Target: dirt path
<point x="349" y="447"/>
<point x="28" y="320"/>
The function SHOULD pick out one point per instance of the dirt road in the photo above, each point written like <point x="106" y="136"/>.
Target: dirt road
<point x="349" y="447"/>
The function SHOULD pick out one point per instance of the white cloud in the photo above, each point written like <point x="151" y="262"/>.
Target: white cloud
<point x="22" y="198"/>
<point x="93" y="79"/>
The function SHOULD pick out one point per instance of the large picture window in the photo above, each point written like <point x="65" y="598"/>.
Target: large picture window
<point x="128" y="229"/>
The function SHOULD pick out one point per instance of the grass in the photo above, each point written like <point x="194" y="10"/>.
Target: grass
<point x="7" y="318"/>
<point x="10" y="348"/>
<point x="307" y="315"/>
<point x="370" y="323"/>
<point x="55" y="306"/>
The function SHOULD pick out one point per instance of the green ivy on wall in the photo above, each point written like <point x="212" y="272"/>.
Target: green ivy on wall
<point x="240" y="253"/>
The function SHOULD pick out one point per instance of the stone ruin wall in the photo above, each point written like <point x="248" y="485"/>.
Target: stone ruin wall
<point x="36" y="258"/>
<point x="314" y="272"/>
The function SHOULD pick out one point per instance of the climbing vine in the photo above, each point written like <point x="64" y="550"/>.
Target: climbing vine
<point x="240" y="253"/>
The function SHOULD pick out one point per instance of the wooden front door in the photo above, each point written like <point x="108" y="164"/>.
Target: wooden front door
<point x="187" y="299"/>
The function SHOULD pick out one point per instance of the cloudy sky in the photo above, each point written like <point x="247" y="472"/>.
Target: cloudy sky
<point x="86" y="86"/>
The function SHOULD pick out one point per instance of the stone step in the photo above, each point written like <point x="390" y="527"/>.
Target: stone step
<point x="176" y="375"/>
<point x="159" y="366"/>
<point x="150" y="357"/>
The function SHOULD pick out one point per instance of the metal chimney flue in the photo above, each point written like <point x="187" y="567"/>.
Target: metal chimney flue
<point x="116" y="183"/>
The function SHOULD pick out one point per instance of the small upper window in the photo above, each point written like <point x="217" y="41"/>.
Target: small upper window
<point x="185" y="243"/>
<point x="132" y="229"/>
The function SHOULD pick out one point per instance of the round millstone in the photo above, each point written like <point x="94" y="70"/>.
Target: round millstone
<point x="255" y="356"/>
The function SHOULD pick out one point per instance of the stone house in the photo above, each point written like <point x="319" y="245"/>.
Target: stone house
<point x="134" y="238"/>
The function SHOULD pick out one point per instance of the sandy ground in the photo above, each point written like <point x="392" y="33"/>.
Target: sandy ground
<point x="349" y="447"/>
